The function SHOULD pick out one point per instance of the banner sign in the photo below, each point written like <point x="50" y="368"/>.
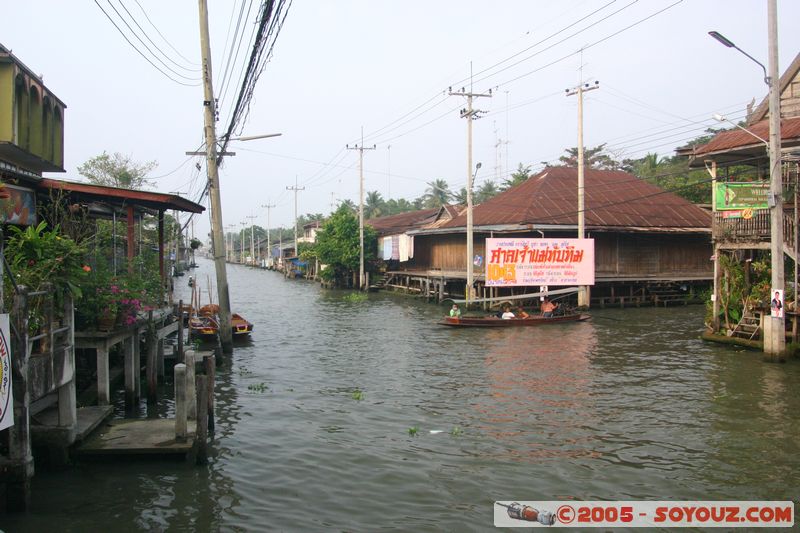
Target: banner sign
<point x="6" y="400"/>
<point x="741" y="195"/>
<point x="20" y="208"/>
<point x="518" y="261"/>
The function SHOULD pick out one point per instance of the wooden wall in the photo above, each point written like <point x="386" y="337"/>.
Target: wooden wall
<point x="626" y="255"/>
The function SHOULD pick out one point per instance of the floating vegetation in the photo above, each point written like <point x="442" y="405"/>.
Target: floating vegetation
<point x="356" y="297"/>
<point x="357" y="395"/>
<point x="245" y="372"/>
<point x="413" y="431"/>
<point x="456" y="431"/>
<point x="257" y="387"/>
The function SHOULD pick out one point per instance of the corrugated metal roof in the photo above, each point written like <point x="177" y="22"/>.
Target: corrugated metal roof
<point x="613" y="199"/>
<point x="396" y="224"/>
<point x="736" y="138"/>
<point x="151" y="200"/>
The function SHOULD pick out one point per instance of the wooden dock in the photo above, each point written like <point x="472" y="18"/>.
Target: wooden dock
<point x="137" y="437"/>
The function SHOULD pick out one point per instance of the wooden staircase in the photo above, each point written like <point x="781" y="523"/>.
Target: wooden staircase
<point x="667" y="293"/>
<point x="749" y="327"/>
<point x="380" y="282"/>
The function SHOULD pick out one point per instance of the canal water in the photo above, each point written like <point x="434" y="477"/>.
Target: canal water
<point x="630" y="405"/>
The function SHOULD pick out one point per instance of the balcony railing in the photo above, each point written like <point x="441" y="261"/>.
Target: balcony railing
<point x="754" y="229"/>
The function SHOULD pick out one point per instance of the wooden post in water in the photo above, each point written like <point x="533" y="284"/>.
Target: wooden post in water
<point x="160" y="359"/>
<point x="130" y="373"/>
<point x="152" y="360"/>
<point x="209" y="364"/>
<point x="201" y="432"/>
<point x="179" y="314"/>
<point x="17" y="475"/>
<point x="180" y="402"/>
<point x="191" y="403"/>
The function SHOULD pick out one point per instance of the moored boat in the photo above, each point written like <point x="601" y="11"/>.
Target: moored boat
<point x="496" y="322"/>
<point x="239" y="325"/>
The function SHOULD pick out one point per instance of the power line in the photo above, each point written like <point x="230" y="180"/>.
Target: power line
<point x="151" y="40"/>
<point x="165" y="39"/>
<point x="140" y="52"/>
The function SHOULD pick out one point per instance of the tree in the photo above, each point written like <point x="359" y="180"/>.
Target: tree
<point x="461" y="196"/>
<point x="349" y="204"/>
<point x="374" y="206"/>
<point x="117" y="171"/>
<point x="338" y="244"/>
<point x="486" y="191"/>
<point x="521" y="175"/>
<point x="395" y="207"/>
<point x="437" y="194"/>
<point x="592" y="158"/>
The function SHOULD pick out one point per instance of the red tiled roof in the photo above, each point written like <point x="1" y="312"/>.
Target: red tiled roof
<point x="737" y="138"/>
<point x="613" y="199"/>
<point x="394" y="224"/>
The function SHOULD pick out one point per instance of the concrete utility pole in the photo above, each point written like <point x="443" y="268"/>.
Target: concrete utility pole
<point x="583" y="292"/>
<point x="361" y="205"/>
<point x="469" y="114"/>
<point x="296" y="189"/>
<point x="269" y="245"/>
<point x="252" y="239"/>
<point x="241" y="241"/>
<point x="217" y="239"/>
<point x="775" y="345"/>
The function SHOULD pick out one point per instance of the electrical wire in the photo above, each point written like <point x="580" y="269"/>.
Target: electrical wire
<point x="140" y="52"/>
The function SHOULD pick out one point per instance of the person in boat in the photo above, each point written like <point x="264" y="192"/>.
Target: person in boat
<point x="521" y="313"/>
<point x="507" y="314"/>
<point x="548" y="308"/>
<point x="455" y="312"/>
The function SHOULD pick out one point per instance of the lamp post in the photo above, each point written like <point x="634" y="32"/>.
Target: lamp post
<point x="775" y="327"/>
<point x="470" y="253"/>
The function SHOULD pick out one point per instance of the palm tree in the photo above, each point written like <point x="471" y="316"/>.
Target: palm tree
<point x="438" y="193"/>
<point x="350" y="205"/>
<point x="375" y="206"/>
<point x="461" y="196"/>
<point x="486" y="191"/>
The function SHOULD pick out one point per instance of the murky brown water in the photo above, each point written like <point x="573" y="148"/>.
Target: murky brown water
<point x="627" y="406"/>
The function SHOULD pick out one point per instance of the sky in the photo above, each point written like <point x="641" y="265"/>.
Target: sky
<point x="387" y="67"/>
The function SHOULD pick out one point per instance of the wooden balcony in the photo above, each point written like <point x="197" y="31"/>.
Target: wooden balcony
<point x="754" y="232"/>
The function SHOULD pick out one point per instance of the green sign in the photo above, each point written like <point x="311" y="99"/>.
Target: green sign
<point x="731" y="196"/>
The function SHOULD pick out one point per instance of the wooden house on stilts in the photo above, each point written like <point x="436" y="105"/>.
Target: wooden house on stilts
<point x="651" y="246"/>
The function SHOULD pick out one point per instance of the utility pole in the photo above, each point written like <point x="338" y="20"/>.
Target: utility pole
<point x="775" y="339"/>
<point x="241" y="242"/>
<point x="361" y="205"/>
<point x="470" y="114"/>
<point x="269" y="245"/>
<point x="389" y="172"/>
<point x="209" y="104"/>
<point x="296" y="189"/>
<point x="583" y="292"/>
<point x="252" y="239"/>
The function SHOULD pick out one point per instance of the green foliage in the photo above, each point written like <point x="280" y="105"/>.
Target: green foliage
<point x="258" y="387"/>
<point x="486" y="191"/>
<point x="521" y="175"/>
<point x="456" y="431"/>
<point x="117" y="170"/>
<point x="357" y="395"/>
<point x="194" y="244"/>
<point x="337" y="243"/>
<point x="592" y="158"/>
<point x="413" y="431"/>
<point x="355" y="297"/>
<point x="37" y="255"/>
<point x="437" y="194"/>
<point x="122" y="295"/>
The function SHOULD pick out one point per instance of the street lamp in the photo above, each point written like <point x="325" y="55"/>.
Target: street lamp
<point x="775" y="327"/>
<point x="721" y="118"/>
<point x="469" y="233"/>
<point x="727" y="42"/>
